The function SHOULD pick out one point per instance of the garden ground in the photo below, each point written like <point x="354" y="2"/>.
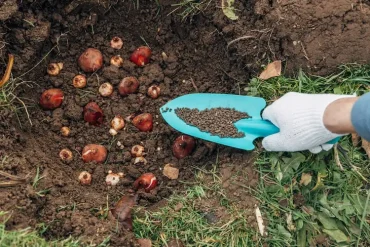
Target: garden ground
<point x="303" y="198"/>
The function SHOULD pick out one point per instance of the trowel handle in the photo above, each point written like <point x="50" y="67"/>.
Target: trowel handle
<point x="263" y="128"/>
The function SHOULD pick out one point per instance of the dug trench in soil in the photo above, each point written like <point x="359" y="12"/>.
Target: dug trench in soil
<point x="41" y="32"/>
<point x="49" y="35"/>
<point x="216" y="121"/>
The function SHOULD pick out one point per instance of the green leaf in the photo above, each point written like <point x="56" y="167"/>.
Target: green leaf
<point x="337" y="235"/>
<point x="283" y="231"/>
<point x="299" y="224"/>
<point x="331" y="210"/>
<point x="320" y="180"/>
<point x="290" y="165"/>
<point x="354" y="229"/>
<point x="295" y="160"/>
<point x="279" y="176"/>
<point x="324" y="201"/>
<point x="275" y="189"/>
<point x="338" y="90"/>
<point x="274" y="159"/>
<point x="337" y="178"/>
<point x="302" y="237"/>
<point x="327" y="222"/>
<point x="358" y="203"/>
<point x="278" y="173"/>
<point x="228" y="9"/>
<point x="347" y="206"/>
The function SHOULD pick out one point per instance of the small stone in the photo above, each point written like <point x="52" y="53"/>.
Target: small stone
<point x="170" y="172"/>
<point x="144" y="242"/>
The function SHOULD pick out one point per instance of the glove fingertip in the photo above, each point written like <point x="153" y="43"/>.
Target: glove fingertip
<point x="266" y="113"/>
<point x="327" y="147"/>
<point x="315" y="150"/>
<point x="272" y="142"/>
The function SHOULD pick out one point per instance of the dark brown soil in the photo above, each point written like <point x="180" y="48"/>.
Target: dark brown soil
<point x="315" y="35"/>
<point x="216" y="121"/>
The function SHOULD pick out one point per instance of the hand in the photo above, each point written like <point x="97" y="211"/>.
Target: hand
<point x="300" y="118"/>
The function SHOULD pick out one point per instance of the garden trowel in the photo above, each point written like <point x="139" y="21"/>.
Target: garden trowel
<point x="253" y="127"/>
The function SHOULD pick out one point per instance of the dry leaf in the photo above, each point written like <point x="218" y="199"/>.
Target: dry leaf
<point x="272" y="70"/>
<point x="170" y="172"/>
<point x="289" y="221"/>
<point x="259" y="218"/>
<point x="228" y="9"/>
<point x="306" y="179"/>
<point x="320" y="181"/>
<point x="175" y="243"/>
<point x="122" y="210"/>
<point x="336" y="157"/>
<point x="178" y="206"/>
<point x="355" y="139"/>
<point x="366" y="146"/>
<point x="144" y="242"/>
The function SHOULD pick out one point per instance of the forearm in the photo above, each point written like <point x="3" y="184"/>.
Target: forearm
<point x="337" y="116"/>
<point x="349" y="115"/>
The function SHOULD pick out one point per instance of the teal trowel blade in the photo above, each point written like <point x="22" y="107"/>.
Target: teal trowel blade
<point x="253" y="127"/>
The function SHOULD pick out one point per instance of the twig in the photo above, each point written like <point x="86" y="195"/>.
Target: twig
<point x="12" y="177"/>
<point x="25" y="108"/>
<point x="14" y="180"/>
<point x="336" y="157"/>
<point x="243" y="82"/>
<point x="195" y="86"/>
<point x="9" y="183"/>
<point x="304" y="52"/>
<point x="143" y="39"/>
<point x="37" y="64"/>
<point x="238" y="39"/>
<point x="268" y="43"/>
<point x="355" y="168"/>
<point x="7" y="71"/>
<point x="4" y="43"/>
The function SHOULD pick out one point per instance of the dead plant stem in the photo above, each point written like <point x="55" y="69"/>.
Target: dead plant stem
<point x="7" y="71"/>
<point x="238" y="39"/>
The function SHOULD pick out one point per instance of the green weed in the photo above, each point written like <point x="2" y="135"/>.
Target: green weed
<point x="183" y="219"/>
<point x="187" y="9"/>
<point x="36" y="180"/>
<point x="308" y="199"/>
<point x="10" y="100"/>
<point x="28" y="237"/>
<point x="305" y="199"/>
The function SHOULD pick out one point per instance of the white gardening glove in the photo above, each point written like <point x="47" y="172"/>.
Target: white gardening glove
<point x="300" y="120"/>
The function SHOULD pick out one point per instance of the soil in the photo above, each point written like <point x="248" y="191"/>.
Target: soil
<point x="216" y="121"/>
<point x="188" y="56"/>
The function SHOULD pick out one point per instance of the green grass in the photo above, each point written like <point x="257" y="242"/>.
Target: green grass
<point x="332" y="203"/>
<point x="189" y="223"/>
<point x="187" y="9"/>
<point x="31" y="238"/>
<point x="10" y="100"/>
<point x="28" y="237"/>
<point x="335" y="200"/>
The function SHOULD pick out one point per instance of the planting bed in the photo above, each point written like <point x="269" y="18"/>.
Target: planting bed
<point x="187" y="56"/>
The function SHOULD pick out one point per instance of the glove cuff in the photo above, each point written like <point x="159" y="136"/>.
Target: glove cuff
<point x="313" y="130"/>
